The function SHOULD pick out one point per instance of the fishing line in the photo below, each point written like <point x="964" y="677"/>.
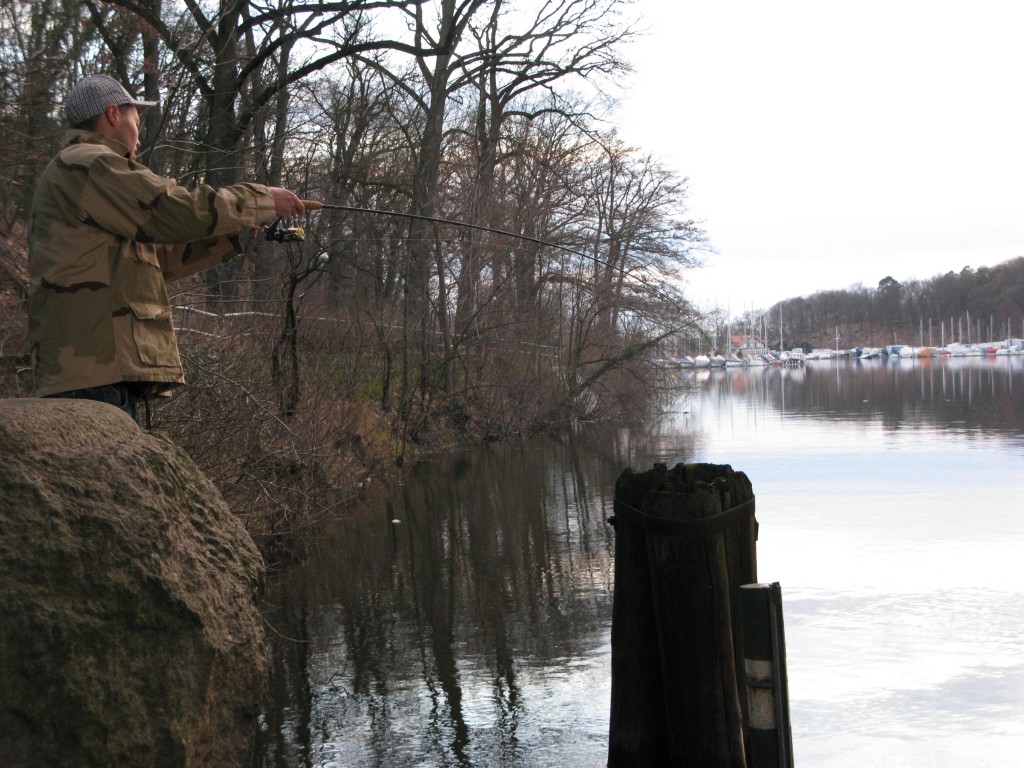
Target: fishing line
<point x="275" y="233"/>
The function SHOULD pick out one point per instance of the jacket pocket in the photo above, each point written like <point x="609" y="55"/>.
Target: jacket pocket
<point x="153" y="333"/>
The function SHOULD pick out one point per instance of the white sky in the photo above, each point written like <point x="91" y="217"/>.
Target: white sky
<point x="831" y="143"/>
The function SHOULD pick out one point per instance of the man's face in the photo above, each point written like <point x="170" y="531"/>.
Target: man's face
<point x="127" y="129"/>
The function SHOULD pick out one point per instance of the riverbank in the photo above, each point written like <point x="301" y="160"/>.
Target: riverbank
<point x="282" y="473"/>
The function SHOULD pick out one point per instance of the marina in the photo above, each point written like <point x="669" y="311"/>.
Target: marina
<point x="798" y="356"/>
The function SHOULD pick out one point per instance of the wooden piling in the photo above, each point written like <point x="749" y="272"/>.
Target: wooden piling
<point x="769" y="738"/>
<point x="685" y="541"/>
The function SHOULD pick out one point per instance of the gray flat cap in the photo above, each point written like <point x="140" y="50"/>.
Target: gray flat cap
<point x="93" y="94"/>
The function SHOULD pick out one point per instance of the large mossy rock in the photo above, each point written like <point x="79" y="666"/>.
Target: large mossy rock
<point x="129" y="628"/>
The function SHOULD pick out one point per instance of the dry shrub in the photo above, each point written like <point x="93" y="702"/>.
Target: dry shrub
<point x="280" y="473"/>
<point x="15" y="374"/>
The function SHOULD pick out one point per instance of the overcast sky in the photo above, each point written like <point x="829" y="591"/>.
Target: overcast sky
<point x="830" y="143"/>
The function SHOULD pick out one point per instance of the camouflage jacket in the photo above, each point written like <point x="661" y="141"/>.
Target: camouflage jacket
<point x="105" y="235"/>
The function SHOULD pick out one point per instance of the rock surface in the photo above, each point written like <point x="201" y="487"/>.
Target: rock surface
<point x="129" y="632"/>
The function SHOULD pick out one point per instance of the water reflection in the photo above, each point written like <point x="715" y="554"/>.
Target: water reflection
<point x="441" y="624"/>
<point x="463" y="619"/>
<point x="965" y="393"/>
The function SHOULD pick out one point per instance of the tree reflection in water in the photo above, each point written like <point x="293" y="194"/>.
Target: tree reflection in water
<point x="460" y="620"/>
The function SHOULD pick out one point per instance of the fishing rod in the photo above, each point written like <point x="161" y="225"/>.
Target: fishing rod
<point x="281" y="234"/>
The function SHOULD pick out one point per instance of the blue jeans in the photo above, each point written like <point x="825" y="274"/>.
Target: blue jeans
<point x="118" y="395"/>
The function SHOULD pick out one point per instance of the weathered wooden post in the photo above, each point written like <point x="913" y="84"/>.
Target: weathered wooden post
<point x="769" y="737"/>
<point x="685" y="541"/>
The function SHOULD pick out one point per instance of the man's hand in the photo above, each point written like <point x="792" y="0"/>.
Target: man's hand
<point x="286" y="202"/>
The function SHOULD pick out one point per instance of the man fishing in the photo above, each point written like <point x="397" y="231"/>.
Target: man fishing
<point x="106" y="235"/>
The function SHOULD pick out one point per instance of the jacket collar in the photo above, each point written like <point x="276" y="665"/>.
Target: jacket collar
<point x="76" y="136"/>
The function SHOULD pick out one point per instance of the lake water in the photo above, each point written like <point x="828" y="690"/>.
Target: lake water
<point x="464" y="618"/>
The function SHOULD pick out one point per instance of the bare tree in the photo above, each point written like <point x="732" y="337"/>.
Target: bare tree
<point x="41" y="44"/>
<point x="506" y="54"/>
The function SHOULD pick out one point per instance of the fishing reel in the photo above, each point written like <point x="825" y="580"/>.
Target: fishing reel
<point x="278" y="233"/>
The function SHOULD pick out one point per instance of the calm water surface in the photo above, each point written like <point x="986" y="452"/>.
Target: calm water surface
<point x="464" y="618"/>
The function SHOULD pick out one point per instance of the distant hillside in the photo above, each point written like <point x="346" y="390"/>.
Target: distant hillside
<point x="990" y="299"/>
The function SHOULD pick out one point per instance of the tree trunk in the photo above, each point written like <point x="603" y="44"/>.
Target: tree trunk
<point x="223" y="162"/>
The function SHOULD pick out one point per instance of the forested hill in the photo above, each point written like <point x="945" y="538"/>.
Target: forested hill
<point x="991" y="299"/>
